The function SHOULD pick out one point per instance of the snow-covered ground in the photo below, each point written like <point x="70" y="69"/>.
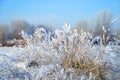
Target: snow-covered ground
<point x="13" y="67"/>
<point x="65" y="56"/>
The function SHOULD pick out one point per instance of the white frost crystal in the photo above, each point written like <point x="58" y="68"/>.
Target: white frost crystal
<point x="66" y="27"/>
<point x="45" y="59"/>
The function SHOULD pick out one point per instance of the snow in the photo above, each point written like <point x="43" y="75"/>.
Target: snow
<point x="11" y="62"/>
<point x="10" y="56"/>
<point x="42" y="59"/>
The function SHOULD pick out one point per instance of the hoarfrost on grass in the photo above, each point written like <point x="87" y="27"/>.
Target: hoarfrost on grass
<point x="66" y="55"/>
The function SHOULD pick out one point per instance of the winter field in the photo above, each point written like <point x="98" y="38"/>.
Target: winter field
<point x="66" y="55"/>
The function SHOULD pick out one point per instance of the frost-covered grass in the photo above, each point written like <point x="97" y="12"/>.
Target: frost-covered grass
<point x="65" y="56"/>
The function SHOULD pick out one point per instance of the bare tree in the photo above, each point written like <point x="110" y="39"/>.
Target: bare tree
<point x="4" y="33"/>
<point x="1" y="34"/>
<point x="82" y="25"/>
<point x="103" y="25"/>
<point x="90" y="26"/>
<point x="17" y="26"/>
<point x="98" y="26"/>
<point x="118" y="33"/>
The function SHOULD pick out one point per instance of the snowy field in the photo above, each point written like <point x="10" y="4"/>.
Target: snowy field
<point x="13" y="67"/>
<point x="69" y="56"/>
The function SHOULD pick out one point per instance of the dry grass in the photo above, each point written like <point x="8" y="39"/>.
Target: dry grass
<point x="81" y="66"/>
<point x="75" y="53"/>
<point x="83" y="63"/>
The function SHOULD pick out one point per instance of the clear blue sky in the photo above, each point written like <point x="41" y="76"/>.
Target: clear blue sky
<point x="54" y="12"/>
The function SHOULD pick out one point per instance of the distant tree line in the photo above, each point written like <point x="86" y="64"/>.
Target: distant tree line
<point x="99" y="26"/>
<point x="12" y="31"/>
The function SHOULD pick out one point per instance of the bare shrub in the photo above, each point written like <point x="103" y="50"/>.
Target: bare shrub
<point x="70" y="50"/>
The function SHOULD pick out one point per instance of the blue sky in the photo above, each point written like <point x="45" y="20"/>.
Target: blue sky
<point x="54" y="12"/>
